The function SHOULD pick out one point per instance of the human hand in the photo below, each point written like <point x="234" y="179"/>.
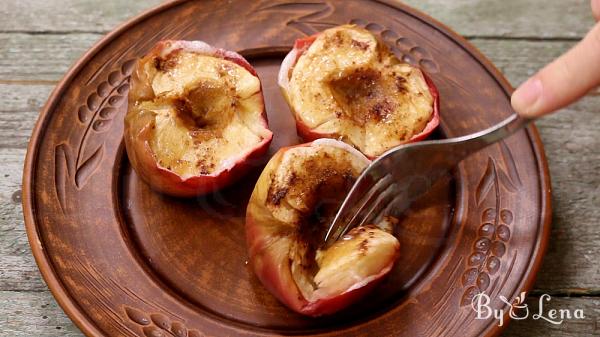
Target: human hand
<point x="565" y="80"/>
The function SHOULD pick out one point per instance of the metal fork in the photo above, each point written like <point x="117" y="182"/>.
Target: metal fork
<point x="401" y="175"/>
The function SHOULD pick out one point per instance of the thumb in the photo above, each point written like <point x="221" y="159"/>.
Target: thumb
<point x="563" y="81"/>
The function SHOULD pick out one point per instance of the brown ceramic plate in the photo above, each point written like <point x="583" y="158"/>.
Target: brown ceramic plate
<point x="124" y="261"/>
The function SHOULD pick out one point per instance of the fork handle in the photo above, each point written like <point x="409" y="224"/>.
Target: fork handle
<point x="479" y="140"/>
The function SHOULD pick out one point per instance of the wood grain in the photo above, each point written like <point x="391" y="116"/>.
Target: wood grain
<point x="19" y="271"/>
<point x="519" y="59"/>
<point x="18" y="112"/>
<point x="26" y="314"/>
<point x="489" y="18"/>
<point x="48" y="60"/>
<point x="68" y="16"/>
<point x="531" y="19"/>
<point x="571" y="140"/>
<point x="588" y="327"/>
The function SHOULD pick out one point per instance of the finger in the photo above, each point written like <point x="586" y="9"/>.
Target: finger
<point x="596" y="9"/>
<point x="563" y="81"/>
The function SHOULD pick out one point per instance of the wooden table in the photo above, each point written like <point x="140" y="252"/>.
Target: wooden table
<point x="40" y="39"/>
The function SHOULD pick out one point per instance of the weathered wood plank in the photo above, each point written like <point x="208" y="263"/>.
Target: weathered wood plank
<point x="518" y="60"/>
<point x="573" y="150"/>
<point x="25" y="57"/>
<point x="19" y="107"/>
<point x="26" y="314"/>
<point x="508" y="18"/>
<point x="511" y="18"/>
<point x="588" y="327"/>
<point x="19" y="98"/>
<point x="68" y="15"/>
<point x="19" y="270"/>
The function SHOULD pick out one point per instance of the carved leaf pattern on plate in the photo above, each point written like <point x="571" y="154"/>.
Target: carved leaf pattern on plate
<point x="95" y="117"/>
<point x="62" y="172"/>
<point x="308" y="20"/>
<point x="157" y="324"/>
<point x="109" y="295"/>
<point x="494" y="232"/>
<point x="97" y="114"/>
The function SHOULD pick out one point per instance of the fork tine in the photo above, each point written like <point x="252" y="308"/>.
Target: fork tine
<point x="392" y="206"/>
<point x="360" y="196"/>
<point x="378" y="206"/>
<point x="356" y="194"/>
<point x="367" y="201"/>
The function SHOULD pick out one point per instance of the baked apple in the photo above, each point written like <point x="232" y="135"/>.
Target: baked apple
<point x="196" y="118"/>
<point x="294" y="200"/>
<point x="344" y="83"/>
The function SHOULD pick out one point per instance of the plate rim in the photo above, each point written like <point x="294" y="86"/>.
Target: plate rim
<point x="89" y="327"/>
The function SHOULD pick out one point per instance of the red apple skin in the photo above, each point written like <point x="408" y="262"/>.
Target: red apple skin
<point x="162" y="180"/>
<point x="137" y="136"/>
<point x="308" y="134"/>
<point x="272" y="266"/>
<point x="434" y="122"/>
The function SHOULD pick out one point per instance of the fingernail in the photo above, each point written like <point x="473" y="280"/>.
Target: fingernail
<point x="596" y="9"/>
<point x="524" y="100"/>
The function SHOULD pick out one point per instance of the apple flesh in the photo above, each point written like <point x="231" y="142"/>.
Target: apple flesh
<point x="344" y="83"/>
<point x="293" y="201"/>
<point x="196" y="118"/>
